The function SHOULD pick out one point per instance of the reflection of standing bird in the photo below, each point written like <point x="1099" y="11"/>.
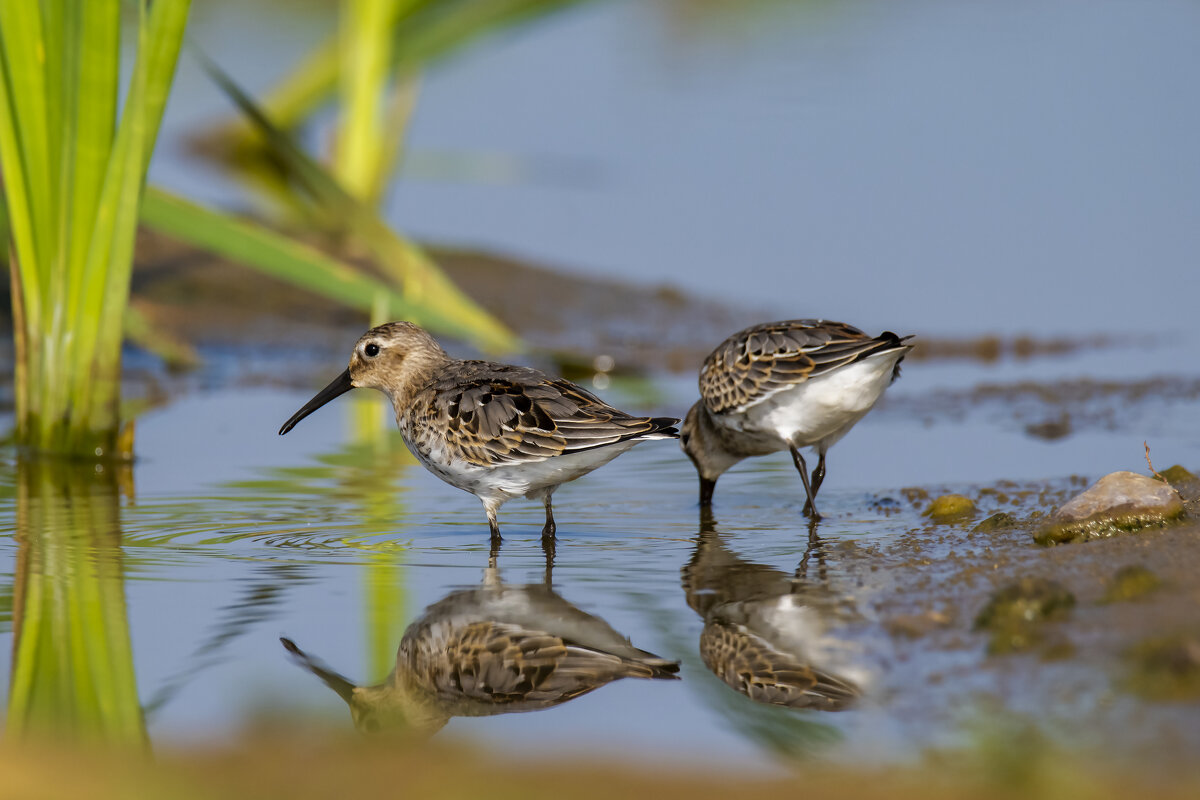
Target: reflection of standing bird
<point x="785" y="386"/>
<point x="763" y="638"/>
<point x="494" y="430"/>
<point x="492" y="650"/>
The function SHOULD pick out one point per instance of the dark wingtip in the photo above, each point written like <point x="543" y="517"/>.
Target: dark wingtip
<point x="666" y="425"/>
<point x="665" y="670"/>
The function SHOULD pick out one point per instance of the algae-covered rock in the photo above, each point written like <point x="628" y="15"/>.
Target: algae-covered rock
<point x="1000" y="521"/>
<point x="1130" y="583"/>
<point x="1117" y="503"/>
<point x="1185" y="483"/>
<point x="1013" y="614"/>
<point x="1165" y="668"/>
<point x="1177" y="474"/>
<point x="951" y="508"/>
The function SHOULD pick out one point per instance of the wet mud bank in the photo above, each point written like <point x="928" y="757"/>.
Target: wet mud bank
<point x="1093" y="645"/>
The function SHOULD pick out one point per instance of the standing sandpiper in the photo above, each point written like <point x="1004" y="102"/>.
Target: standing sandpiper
<point x="494" y="430"/>
<point x="784" y="386"/>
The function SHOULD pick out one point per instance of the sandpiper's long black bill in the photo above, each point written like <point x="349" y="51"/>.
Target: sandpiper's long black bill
<point x="339" y="386"/>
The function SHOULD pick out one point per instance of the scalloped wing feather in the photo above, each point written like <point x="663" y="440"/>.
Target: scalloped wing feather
<point x="752" y="365"/>
<point x="492" y="414"/>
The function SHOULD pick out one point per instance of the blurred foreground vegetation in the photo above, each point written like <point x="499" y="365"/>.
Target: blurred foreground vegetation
<point x="293" y="763"/>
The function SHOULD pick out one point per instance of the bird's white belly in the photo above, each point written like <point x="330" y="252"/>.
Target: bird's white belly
<point x="523" y="479"/>
<point x="821" y="410"/>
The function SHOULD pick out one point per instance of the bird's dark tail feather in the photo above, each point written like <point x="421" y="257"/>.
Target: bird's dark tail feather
<point x="665" y="426"/>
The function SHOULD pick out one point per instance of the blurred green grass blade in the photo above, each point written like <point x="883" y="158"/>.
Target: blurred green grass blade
<point x="163" y="41"/>
<point x="73" y="178"/>
<point x="25" y="142"/>
<point x="268" y="252"/>
<point x="305" y="88"/>
<point x="142" y="331"/>
<point x="433" y="298"/>
<point x="426" y="32"/>
<point x="110" y="259"/>
<point x="443" y="27"/>
<point x="92" y="89"/>
<point x="364" y="50"/>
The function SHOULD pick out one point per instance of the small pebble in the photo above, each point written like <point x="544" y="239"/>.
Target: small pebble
<point x="951" y="508"/>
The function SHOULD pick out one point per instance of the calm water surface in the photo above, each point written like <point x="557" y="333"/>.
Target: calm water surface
<point x="927" y="166"/>
<point x="332" y="537"/>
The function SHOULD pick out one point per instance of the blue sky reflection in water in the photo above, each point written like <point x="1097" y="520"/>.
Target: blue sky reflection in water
<point x="932" y="166"/>
<point x="925" y="166"/>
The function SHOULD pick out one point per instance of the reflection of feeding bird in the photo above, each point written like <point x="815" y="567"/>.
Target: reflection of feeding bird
<point x="492" y="650"/>
<point x="763" y="638"/>
<point x="785" y="386"/>
<point x="494" y="430"/>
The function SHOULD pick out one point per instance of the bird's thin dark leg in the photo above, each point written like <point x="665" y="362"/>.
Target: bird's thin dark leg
<point x="810" y="508"/>
<point x="706" y="491"/>
<point x="549" y="528"/>
<point x="548" y="551"/>
<point x="818" y="476"/>
<point x="493" y="525"/>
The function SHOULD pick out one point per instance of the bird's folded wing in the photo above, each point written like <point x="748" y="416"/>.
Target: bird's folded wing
<point x="759" y="362"/>
<point x="515" y="415"/>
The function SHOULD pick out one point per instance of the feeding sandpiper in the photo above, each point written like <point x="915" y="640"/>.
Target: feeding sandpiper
<point x="785" y="386"/>
<point x="494" y="430"/>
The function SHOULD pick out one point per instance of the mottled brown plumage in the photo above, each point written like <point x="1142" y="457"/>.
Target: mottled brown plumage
<point x="750" y="665"/>
<point x="495" y="430"/>
<point x="785" y="386"/>
<point x="496" y="649"/>
<point x="765" y="631"/>
<point x="756" y="363"/>
<point x="490" y="414"/>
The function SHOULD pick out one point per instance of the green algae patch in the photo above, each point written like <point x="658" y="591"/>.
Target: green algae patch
<point x="1013" y="613"/>
<point x="950" y="508"/>
<point x="1130" y="583"/>
<point x="1185" y="484"/>
<point x="1165" y="668"/>
<point x="1121" y="502"/>
<point x="1000" y="521"/>
<point x="1177" y="474"/>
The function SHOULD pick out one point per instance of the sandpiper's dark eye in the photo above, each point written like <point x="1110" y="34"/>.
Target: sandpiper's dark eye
<point x="371" y="350"/>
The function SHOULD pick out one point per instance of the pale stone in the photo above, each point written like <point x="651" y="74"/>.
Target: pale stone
<point x="1118" y="502"/>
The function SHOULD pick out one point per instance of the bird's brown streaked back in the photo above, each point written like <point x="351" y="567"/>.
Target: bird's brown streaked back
<point x="758" y="362"/>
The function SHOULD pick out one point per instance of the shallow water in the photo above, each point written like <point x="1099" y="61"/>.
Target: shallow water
<point x="869" y="155"/>
<point x="332" y="537"/>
